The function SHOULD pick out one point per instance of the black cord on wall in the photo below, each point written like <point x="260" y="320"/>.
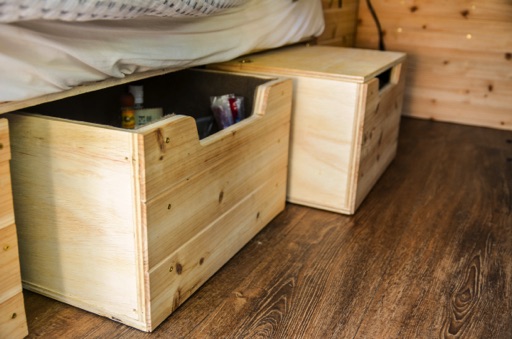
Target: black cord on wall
<point x="377" y="23"/>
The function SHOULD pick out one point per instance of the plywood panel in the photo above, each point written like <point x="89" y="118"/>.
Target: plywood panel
<point x="13" y="322"/>
<point x="459" y="52"/>
<point x="79" y="188"/>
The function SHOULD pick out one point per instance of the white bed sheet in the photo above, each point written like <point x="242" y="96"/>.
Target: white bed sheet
<point x="40" y="57"/>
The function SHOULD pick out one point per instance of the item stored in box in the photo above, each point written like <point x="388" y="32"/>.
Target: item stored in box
<point x="345" y="121"/>
<point x="129" y="223"/>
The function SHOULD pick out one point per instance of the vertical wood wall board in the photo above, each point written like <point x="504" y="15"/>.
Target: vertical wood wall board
<point x="460" y="57"/>
<point x="340" y="23"/>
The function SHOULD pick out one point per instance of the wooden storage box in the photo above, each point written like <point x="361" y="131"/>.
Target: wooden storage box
<point x="345" y="119"/>
<point x="13" y="322"/>
<point x="129" y="223"/>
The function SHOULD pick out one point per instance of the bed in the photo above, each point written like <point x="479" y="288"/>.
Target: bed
<point x="50" y="49"/>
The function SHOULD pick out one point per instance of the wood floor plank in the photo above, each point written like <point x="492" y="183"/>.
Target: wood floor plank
<point x="428" y="254"/>
<point x="452" y="274"/>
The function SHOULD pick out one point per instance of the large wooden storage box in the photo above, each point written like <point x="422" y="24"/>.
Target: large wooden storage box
<point x="129" y="223"/>
<point x="345" y="120"/>
<point x="13" y="322"/>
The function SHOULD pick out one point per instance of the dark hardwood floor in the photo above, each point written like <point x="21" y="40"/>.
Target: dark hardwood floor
<point x="427" y="255"/>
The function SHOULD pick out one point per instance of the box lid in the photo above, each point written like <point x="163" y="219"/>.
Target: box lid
<point x="338" y="63"/>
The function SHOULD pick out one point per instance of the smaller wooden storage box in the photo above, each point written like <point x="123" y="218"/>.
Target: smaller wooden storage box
<point x="13" y="322"/>
<point x="345" y="120"/>
<point x="129" y="223"/>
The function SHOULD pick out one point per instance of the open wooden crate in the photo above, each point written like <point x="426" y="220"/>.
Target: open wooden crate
<point x="129" y="223"/>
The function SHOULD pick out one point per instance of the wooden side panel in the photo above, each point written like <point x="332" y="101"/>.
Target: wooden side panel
<point x="12" y="310"/>
<point x="13" y="322"/>
<point x="379" y="138"/>
<point x="76" y="209"/>
<point x="5" y="152"/>
<point x="10" y="281"/>
<point x="460" y="57"/>
<point x="6" y="206"/>
<point x="235" y="184"/>
<point x="213" y="189"/>
<point x="322" y="143"/>
<point x="340" y="23"/>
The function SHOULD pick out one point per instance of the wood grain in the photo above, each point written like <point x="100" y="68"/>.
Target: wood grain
<point x="340" y="23"/>
<point x="129" y="223"/>
<point x="460" y="55"/>
<point x="344" y="123"/>
<point x="12" y="311"/>
<point x="428" y="254"/>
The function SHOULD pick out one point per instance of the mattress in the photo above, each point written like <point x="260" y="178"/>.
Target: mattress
<point x="53" y="50"/>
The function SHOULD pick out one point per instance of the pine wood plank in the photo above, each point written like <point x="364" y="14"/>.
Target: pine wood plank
<point x="10" y="280"/>
<point x="13" y="323"/>
<point x="5" y="150"/>
<point x="53" y="230"/>
<point x="6" y="205"/>
<point x="460" y="48"/>
<point x="340" y="23"/>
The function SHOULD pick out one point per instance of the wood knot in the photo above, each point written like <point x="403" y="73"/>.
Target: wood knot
<point x="508" y="56"/>
<point x="160" y="140"/>
<point x="413" y="9"/>
<point x="221" y="196"/>
<point x="465" y="13"/>
<point x="179" y="268"/>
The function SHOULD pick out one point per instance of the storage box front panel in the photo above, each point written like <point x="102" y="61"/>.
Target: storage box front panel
<point x="322" y="136"/>
<point x="76" y="213"/>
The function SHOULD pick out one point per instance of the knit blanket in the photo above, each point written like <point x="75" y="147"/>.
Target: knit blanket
<point x="86" y="10"/>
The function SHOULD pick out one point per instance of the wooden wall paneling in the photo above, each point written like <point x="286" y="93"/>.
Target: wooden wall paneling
<point x="459" y="52"/>
<point x="340" y="23"/>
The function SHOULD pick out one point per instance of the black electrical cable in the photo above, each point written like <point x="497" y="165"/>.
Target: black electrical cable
<point x="377" y="23"/>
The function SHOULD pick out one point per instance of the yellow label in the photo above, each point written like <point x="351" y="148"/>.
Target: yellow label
<point x="128" y="118"/>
